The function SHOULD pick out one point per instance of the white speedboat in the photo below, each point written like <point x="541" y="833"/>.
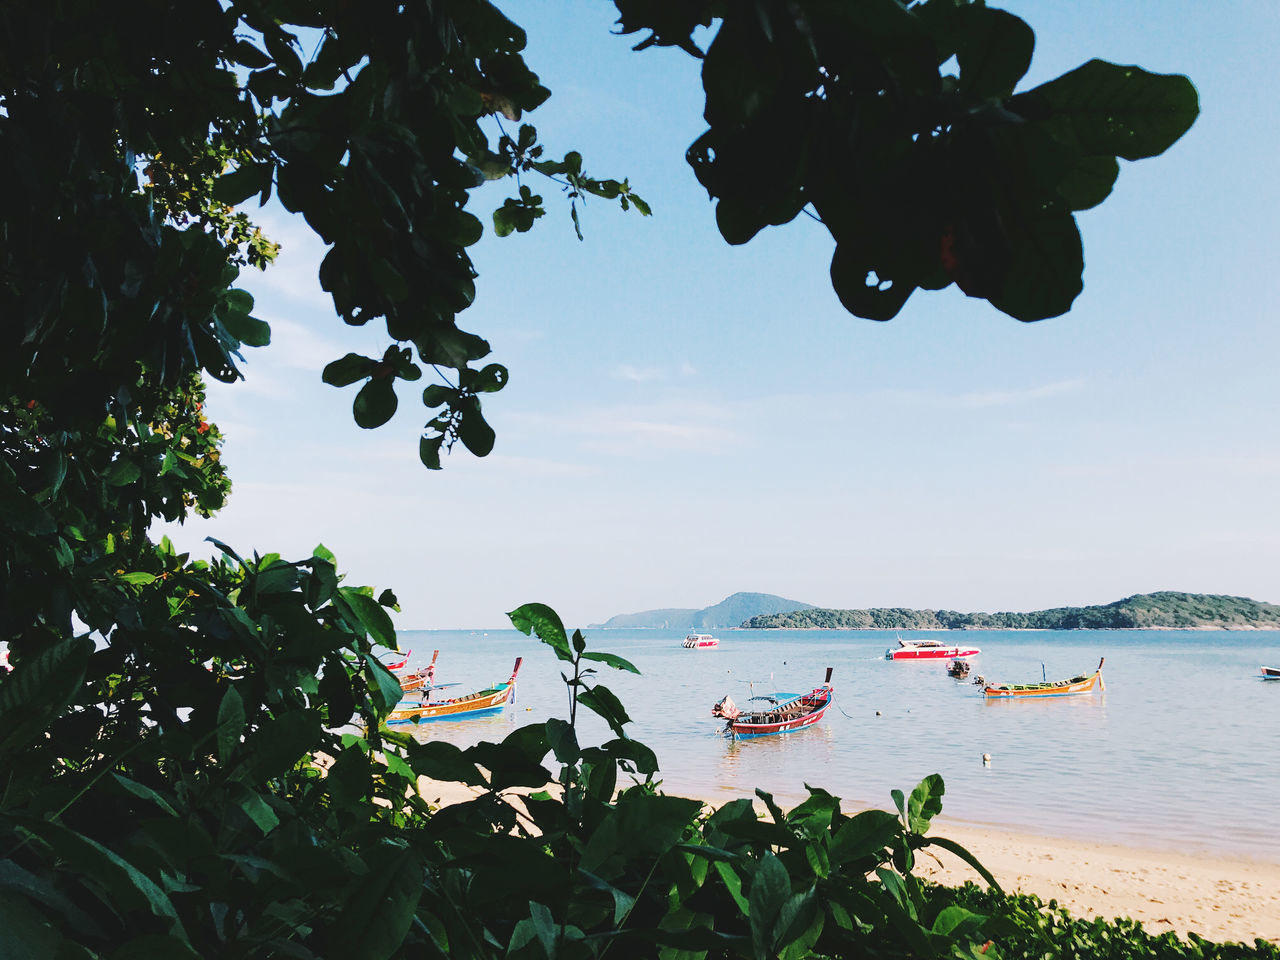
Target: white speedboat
<point x="696" y="641"/>
<point x="929" y="650"/>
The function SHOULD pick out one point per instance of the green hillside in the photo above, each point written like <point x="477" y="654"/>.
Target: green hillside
<point x="1166" y="609"/>
<point x="729" y="612"/>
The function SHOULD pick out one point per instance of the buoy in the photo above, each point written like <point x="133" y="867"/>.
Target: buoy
<point x="986" y="759"/>
<point x="877" y="713"/>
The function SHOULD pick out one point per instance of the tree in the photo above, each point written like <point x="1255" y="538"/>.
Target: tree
<point x="178" y="739"/>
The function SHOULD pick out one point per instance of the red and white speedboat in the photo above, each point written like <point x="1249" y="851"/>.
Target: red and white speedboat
<point x="699" y="641"/>
<point x="928" y="650"/>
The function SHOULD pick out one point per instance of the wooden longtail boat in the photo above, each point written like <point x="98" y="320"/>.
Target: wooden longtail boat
<point x="1271" y="673"/>
<point x="781" y="713"/>
<point x="1050" y="688"/>
<point x="482" y="701"/>
<point x="399" y="664"/>
<point x="420" y="678"/>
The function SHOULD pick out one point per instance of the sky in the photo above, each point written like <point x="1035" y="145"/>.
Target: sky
<point x="686" y="419"/>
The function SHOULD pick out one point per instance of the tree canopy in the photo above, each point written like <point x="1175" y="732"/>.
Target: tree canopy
<point x="193" y="754"/>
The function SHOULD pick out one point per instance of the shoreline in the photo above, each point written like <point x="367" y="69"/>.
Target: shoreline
<point x="1219" y="897"/>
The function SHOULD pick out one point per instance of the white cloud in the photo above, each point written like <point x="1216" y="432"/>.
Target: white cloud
<point x="670" y="425"/>
<point x="1005" y="398"/>
<point x="637" y="374"/>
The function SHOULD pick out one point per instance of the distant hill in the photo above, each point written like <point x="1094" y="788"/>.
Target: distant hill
<point x="1146" y="611"/>
<point x="729" y="612"/>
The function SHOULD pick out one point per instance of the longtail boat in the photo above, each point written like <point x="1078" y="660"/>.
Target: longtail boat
<point x="779" y="713"/>
<point x="399" y="664"/>
<point x="929" y="650"/>
<point x="1271" y="673"/>
<point x="1049" y="688"/>
<point x="481" y="701"/>
<point x="422" y="677"/>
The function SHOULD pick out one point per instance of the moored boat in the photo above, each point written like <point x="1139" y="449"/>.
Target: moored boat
<point x="1271" y="673"/>
<point x="958" y="669"/>
<point x="779" y="713"/>
<point x="420" y="678"/>
<point x="695" y="641"/>
<point x="399" y="664"/>
<point x="1049" y="688"/>
<point x="481" y="701"/>
<point x="929" y="650"/>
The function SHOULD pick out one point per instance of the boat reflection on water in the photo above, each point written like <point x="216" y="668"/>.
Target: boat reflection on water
<point x="464" y="731"/>
<point x="749" y="762"/>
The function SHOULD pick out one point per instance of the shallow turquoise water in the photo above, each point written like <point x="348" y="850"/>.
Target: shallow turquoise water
<point x="1180" y="750"/>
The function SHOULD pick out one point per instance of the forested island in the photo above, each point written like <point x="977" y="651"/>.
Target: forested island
<point x="1167" y="610"/>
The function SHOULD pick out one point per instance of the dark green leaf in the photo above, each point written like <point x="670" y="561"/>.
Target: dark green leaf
<point x="641" y="757"/>
<point x="372" y="616"/>
<point x="924" y="803"/>
<point x="230" y="724"/>
<point x="376" y="403"/>
<point x="382" y="683"/>
<point x="128" y="885"/>
<point x="1121" y="111"/>
<point x="122" y="471"/>
<point x="245" y="181"/>
<point x="537" y="619"/>
<point x="964" y="855"/>
<point x="248" y="330"/>
<point x="864" y="835"/>
<point x="563" y="741"/>
<point x="435" y="395"/>
<point x="26" y="935"/>
<point x="348" y="370"/>
<point x="144" y="792"/>
<point x="474" y="432"/>
<point x="281" y="743"/>
<point x="1089" y="182"/>
<point x="1045" y="274"/>
<point x="544" y="925"/>
<point x="601" y="700"/>
<point x="376" y="917"/>
<point x="770" y="888"/>
<point x="612" y="659"/>
<point x="994" y="50"/>
<point x="439" y="760"/>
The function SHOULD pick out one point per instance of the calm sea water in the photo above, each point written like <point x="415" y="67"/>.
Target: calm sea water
<point x="1180" y="749"/>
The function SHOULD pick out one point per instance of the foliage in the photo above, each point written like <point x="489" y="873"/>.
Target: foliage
<point x="1030" y="929"/>
<point x="1166" y="609"/>
<point x="192" y="756"/>
<point x="922" y="178"/>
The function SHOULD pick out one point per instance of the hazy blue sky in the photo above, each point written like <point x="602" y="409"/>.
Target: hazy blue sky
<point x="685" y="419"/>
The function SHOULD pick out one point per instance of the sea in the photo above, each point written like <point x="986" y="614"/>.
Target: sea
<point x="1179" y="751"/>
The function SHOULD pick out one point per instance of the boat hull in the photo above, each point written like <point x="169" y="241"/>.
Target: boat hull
<point x="932" y="653"/>
<point x="483" y="701"/>
<point x="748" y="728"/>
<point x="784" y="717"/>
<point x="1041" y="691"/>
<point x="1271" y="673"/>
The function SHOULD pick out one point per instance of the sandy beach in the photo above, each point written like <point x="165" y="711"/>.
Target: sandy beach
<point x="1219" y="898"/>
